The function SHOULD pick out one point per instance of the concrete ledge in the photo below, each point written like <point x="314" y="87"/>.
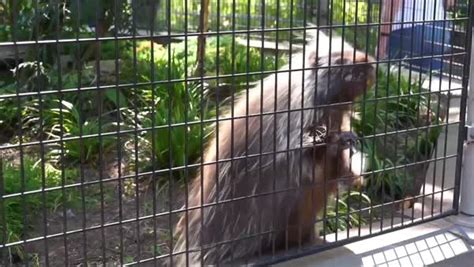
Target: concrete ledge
<point x="429" y="243"/>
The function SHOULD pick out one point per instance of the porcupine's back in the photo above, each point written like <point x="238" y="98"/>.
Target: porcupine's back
<point x="249" y="172"/>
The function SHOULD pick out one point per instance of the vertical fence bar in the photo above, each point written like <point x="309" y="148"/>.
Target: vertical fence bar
<point x="154" y="185"/>
<point x="169" y="131"/>
<point x="467" y="169"/>
<point x="3" y="219"/>
<point x="44" y="212"/>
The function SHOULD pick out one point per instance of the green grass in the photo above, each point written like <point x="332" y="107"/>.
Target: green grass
<point x="30" y="176"/>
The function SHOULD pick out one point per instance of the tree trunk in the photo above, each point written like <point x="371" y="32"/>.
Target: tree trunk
<point x="203" y="28"/>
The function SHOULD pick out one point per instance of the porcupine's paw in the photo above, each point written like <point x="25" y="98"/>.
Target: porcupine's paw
<point x="318" y="134"/>
<point x="314" y="135"/>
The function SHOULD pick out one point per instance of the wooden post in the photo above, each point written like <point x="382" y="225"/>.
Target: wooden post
<point x="203" y="27"/>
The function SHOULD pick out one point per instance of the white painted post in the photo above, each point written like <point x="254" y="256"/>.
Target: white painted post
<point x="467" y="180"/>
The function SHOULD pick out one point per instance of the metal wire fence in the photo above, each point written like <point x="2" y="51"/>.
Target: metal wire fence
<point x="208" y="132"/>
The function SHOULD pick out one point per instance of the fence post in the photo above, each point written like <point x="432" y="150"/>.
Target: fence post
<point x="467" y="182"/>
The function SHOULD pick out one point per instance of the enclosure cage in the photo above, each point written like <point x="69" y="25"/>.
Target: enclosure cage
<point x="162" y="132"/>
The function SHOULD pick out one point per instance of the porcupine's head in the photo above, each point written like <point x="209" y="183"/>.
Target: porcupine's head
<point x="342" y="76"/>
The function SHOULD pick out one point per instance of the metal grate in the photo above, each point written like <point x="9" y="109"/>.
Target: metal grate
<point x="173" y="132"/>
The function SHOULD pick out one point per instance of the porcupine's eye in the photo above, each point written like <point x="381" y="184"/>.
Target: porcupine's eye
<point x="314" y="60"/>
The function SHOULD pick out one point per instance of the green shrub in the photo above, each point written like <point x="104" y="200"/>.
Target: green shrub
<point x="73" y="115"/>
<point x="178" y="102"/>
<point x="344" y="212"/>
<point x="396" y="104"/>
<point x="108" y="50"/>
<point x="27" y="77"/>
<point x="461" y="14"/>
<point x="238" y="60"/>
<point x="63" y="119"/>
<point x="351" y="13"/>
<point x="232" y="55"/>
<point x="14" y="208"/>
<point x="275" y="11"/>
<point x="8" y="110"/>
<point x="165" y="104"/>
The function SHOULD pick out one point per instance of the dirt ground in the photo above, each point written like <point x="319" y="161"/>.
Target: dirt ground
<point x="109" y="216"/>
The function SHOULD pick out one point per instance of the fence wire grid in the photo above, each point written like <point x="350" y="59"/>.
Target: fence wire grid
<point x="173" y="133"/>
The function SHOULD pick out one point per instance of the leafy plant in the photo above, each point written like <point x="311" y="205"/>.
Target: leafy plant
<point x="108" y="50"/>
<point x="8" y="110"/>
<point x="460" y="14"/>
<point x="30" y="176"/>
<point x="247" y="13"/>
<point x="176" y="104"/>
<point x="395" y="104"/>
<point x="16" y="20"/>
<point x="223" y="54"/>
<point x="32" y="76"/>
<point x="357" y="14"/>
<point x="239" y="59"/>
<point x="344" y="212"/>
<point x="27" y="77"/>
<point x="65" y="121"/>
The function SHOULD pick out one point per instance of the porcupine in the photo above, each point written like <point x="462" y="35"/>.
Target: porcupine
<point x="264" y="150"/>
